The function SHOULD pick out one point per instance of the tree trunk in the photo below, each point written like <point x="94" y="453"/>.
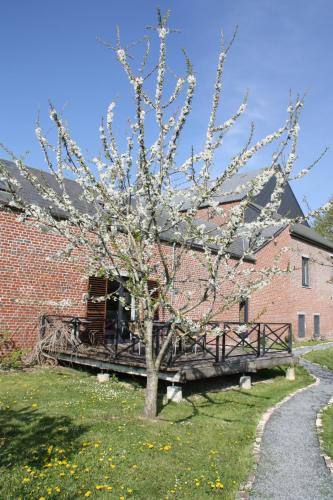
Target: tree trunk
<point x="150" y="408"/>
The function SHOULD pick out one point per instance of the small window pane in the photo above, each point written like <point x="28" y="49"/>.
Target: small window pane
<point x="305" y="271"/>
<point x="316" y="325"/>
<point x="244" y="311"/>
<point x="301" y="325"/>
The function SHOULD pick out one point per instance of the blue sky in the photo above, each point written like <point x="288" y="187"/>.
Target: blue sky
<point x="48" y="50"/>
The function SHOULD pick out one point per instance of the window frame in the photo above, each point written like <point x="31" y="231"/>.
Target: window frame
<point x="299" y="316"/>
<point x="244" y="308"/>
<point x="305" y="271"/>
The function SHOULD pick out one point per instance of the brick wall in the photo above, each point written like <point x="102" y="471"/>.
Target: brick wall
<point x="31" y="281"/>
<point x="285" y="297"/>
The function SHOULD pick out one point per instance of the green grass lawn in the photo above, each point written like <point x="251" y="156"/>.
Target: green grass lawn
<point x="306" y="343"/>
<point x="328" y="431"/>
<point x="325" y="358"/>
<point x="63" y="435"/>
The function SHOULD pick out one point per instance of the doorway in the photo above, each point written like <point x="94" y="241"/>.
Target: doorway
<point x="118" y="313"/>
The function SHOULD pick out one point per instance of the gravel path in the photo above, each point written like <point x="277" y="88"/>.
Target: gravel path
<point x="290" y="464"/>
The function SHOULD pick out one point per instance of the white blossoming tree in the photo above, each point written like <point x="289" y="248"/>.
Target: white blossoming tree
<point x="140" y="225"/>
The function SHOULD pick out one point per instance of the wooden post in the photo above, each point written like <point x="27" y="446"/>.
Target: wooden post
<point x="290" y="338"/>
<point x="223" y="347"/>
<point x="217" y="346"/>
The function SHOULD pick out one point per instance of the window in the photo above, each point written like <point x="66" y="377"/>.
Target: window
<point x="316" y="325"/>
<point x="244" y="311"/>
<point x="301" y="325"/>
<point x="305" y="271"/>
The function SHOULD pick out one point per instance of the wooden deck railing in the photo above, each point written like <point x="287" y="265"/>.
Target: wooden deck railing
<point x="220" y="342"/>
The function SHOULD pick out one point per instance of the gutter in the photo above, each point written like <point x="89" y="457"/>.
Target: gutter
<point x="320" y="242"/>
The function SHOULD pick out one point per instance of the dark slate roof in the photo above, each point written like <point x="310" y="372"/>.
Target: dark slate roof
<point x="228" y="187"/>
<point x="236" y="249"/>
<point x="289" y="206"/>
<point x="30" y="194"/>
<point x="300" y="230"/>
<point x="311" y="236"/>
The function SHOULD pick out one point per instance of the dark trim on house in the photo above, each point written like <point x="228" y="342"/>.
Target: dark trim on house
<point x="309" y="235"/>
<point x="272" y="238"/>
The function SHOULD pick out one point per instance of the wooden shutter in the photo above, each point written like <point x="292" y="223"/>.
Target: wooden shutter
<point x="96" y="311"/>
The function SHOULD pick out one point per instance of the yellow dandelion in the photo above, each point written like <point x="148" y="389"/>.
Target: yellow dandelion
<point x="87" y="494"/>
<point x="129" y="491"/>
<point x="57" y="489"/>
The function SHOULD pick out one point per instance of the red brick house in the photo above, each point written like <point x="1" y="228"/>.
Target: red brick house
<point x="303" y="296"/>
<point x="33" y="282"/>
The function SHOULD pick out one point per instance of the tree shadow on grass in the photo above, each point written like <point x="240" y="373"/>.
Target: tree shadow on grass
<point x="28" y="435"/>
<point x="207" y="387"/>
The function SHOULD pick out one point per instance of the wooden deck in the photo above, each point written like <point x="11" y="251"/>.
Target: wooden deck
<point x="235" y="350"/>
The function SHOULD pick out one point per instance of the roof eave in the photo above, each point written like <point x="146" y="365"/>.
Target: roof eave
<point x="307" y="239"/>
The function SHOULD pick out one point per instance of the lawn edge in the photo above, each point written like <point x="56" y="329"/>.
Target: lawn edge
<point x="246" y="487"/>
<point x="319" y="426"/>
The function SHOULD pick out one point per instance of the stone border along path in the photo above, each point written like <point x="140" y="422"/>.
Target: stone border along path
<point x="291" y="465"/>
<point x="319" y="424"/>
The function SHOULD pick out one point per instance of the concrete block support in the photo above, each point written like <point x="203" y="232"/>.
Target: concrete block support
<point x="103" y="377"/>
<point x="245" y="382"/>
<point x="174" y="393"/>
<point x="290" y="374"/>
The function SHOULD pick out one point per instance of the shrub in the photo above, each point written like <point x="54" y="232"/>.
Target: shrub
<point x="11" y="357"/>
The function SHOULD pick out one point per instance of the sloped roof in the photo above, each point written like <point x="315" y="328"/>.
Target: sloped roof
<point x="236" y="249"/>
<point x="300" y="231"/>
<point x="30" y="195"/>
<point x="229" y="186"/>
<point x="309" y="235"/>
